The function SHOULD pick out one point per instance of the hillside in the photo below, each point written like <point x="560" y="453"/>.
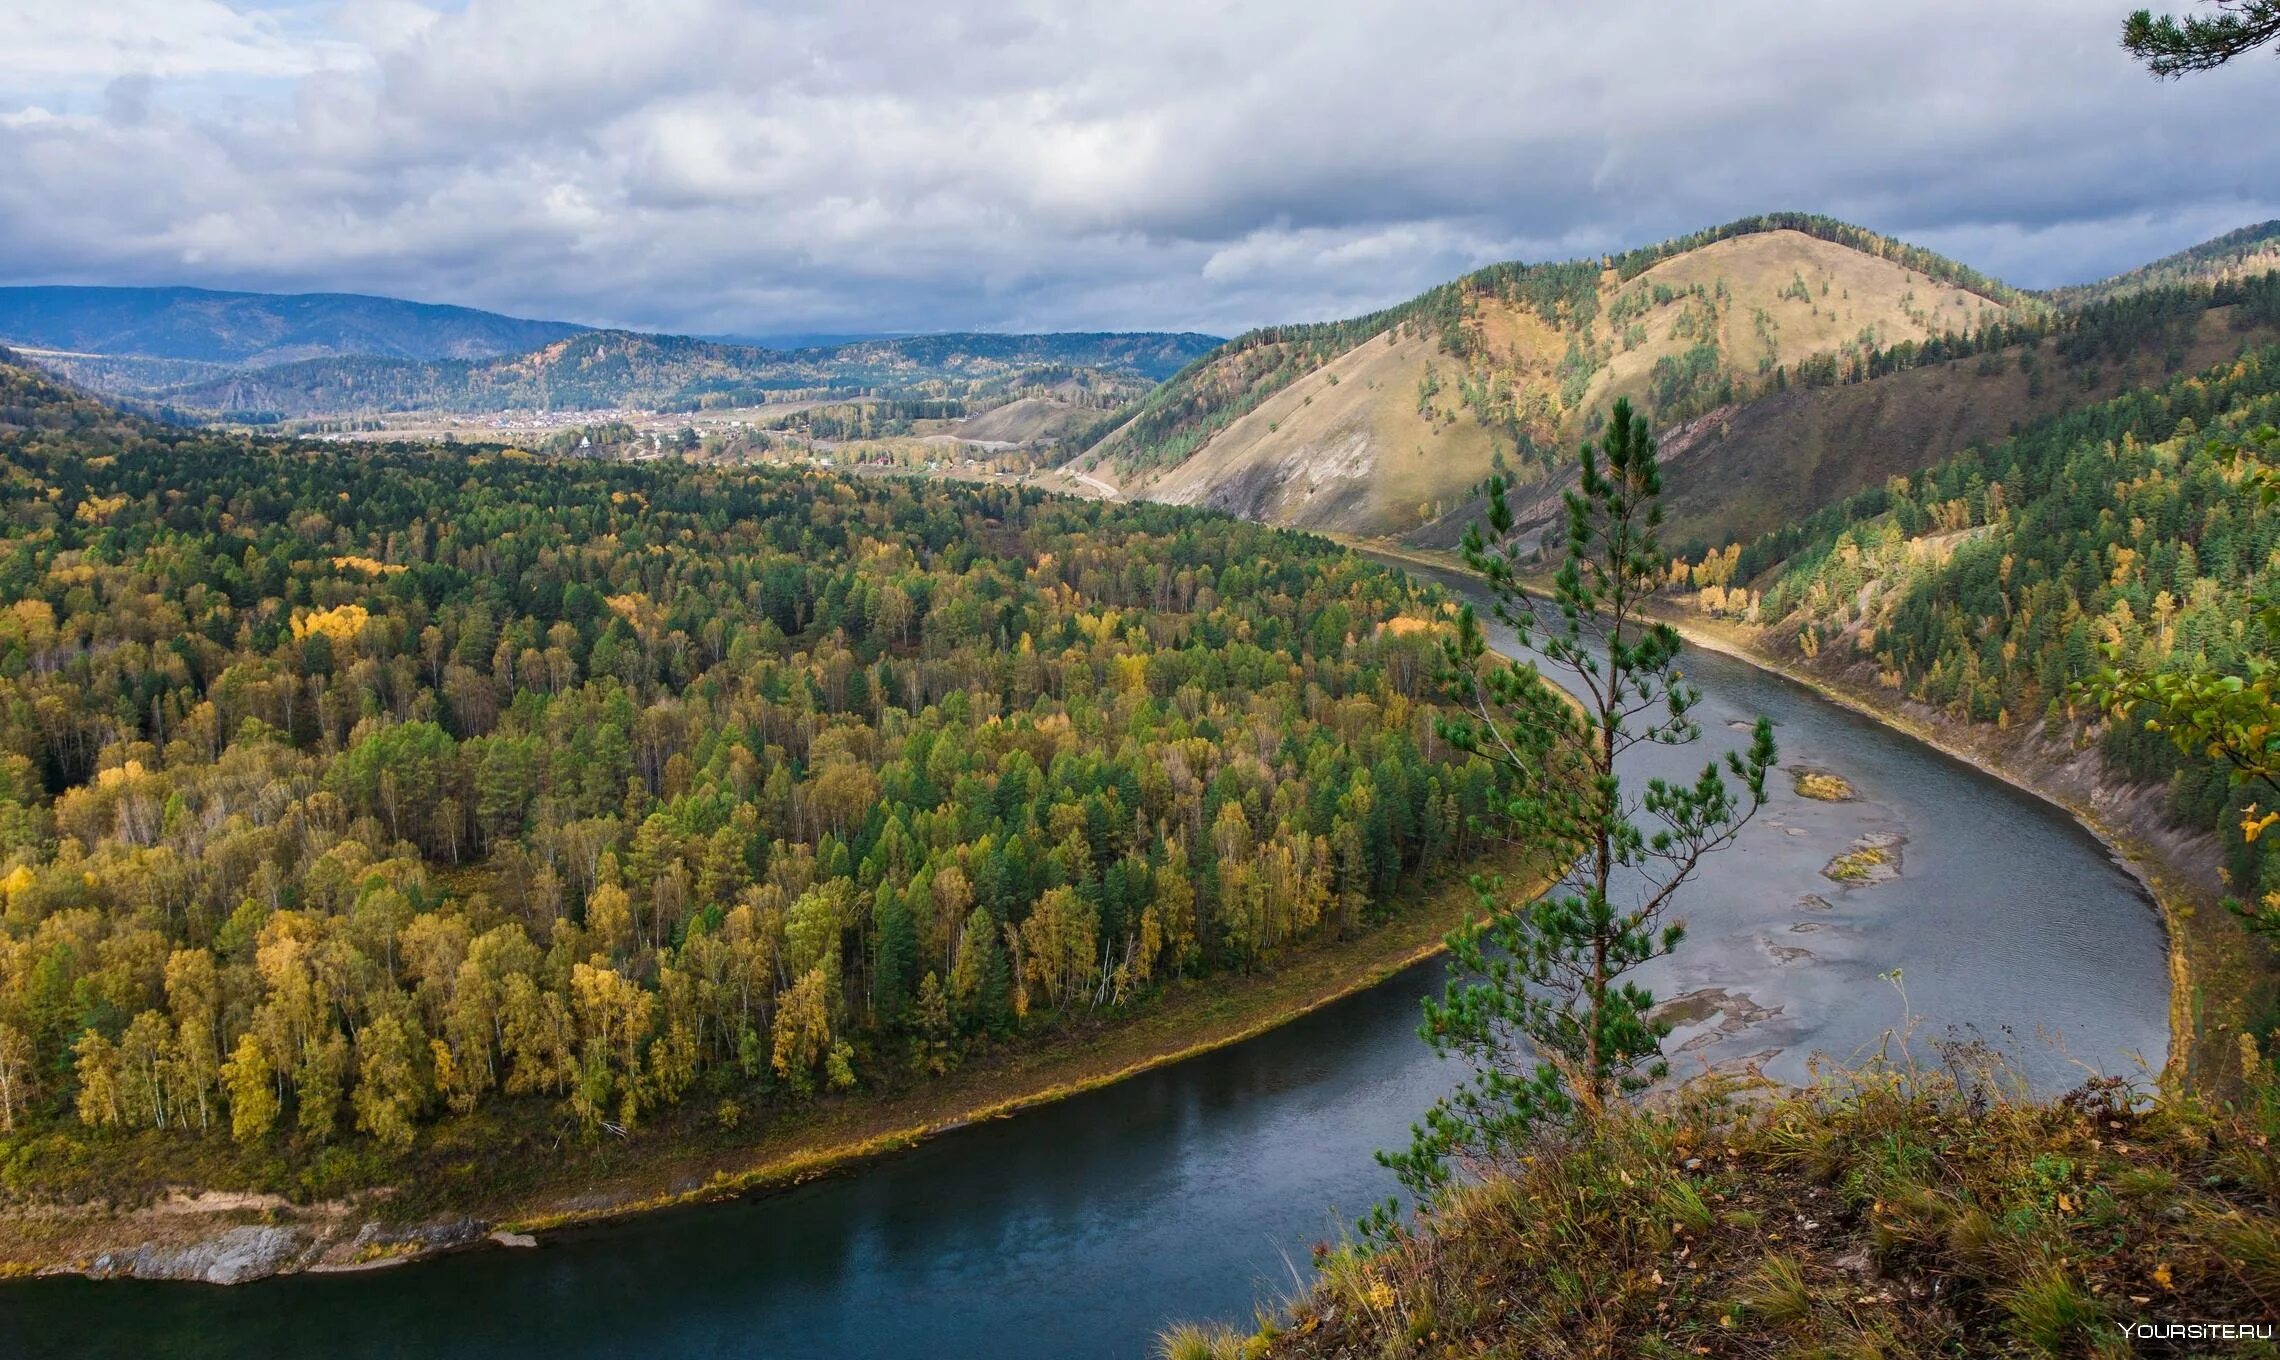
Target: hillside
<point x="1745" y="471"/>
<point x="2236" y="254"/>
<point x="599" y="370"/>
<point x="1972" y="596"/>
<point x="1387" y="423"/>
<point x="1884" y="1214"/>
<point x="258" y="328"/>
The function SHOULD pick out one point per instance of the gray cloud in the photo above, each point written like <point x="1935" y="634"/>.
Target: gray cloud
<point x="707" y="165"/>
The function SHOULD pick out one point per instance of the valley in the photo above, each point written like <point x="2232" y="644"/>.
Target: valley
<point x="1237" y="1159"/>
<point x="533" y="795"/>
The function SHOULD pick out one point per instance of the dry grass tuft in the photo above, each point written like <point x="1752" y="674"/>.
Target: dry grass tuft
<point x="1883" y="1212"/>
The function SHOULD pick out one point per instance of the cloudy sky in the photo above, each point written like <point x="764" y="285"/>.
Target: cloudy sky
<point x="722" y="166"/>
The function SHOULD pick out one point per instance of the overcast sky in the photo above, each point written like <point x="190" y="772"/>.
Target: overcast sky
<point x="715" y="166"/>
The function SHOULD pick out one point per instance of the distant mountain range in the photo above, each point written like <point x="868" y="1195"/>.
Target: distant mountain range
<point x="600" y="370"/>
<point x="259" y="328"/>
<point x="321" y="355"/>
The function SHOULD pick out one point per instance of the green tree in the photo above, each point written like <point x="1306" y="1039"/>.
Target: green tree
<point x="389" y="1089"/>
<point x="1542" y="1005"/>
<point x="980" y="978"/>
<point x="896" y="956"/>
<point x="2170" y="47"/>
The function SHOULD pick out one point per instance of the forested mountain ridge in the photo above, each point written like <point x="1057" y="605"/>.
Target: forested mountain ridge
<point x="2234" y="255"/>
<point x="349" y="802"/>
<point x="31" y="401"/>
<point x="206" y="326"/>
<point x="1388" y="422"/>
<point x="1740" y="472"/>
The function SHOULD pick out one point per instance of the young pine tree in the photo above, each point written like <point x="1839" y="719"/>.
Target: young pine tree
<point x="1543" y="1005"/>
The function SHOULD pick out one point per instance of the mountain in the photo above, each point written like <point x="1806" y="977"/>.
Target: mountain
<point x="258" y="328"/>
<point x="599" y="370"/>
<point x="1746" y="471"/>
<point x="33" y="402"/>
<point x="1789" y="360"/>
<point x="2236" y="254"/>
<point x="1389" y="422"/>
<point x="801" y="339"/>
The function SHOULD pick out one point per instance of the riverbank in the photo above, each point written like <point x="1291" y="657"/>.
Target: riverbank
<point x="463" y="1198"/>
<point x="2212" y="968"/>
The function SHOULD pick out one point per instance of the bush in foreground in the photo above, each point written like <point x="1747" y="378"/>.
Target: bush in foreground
<point x="1879" y="1213"/>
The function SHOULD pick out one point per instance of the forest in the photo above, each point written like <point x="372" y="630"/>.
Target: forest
<point x="1991" y="584"/>
<point x="341" y="795"/>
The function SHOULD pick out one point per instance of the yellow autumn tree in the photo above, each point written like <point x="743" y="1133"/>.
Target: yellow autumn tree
<point x="250" y="1077"/>
<point x="803" y="1030"/>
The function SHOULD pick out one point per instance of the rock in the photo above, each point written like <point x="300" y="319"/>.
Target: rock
<point x="1873" y="859"/>
<point x="234" y="1257"/>
<point x="514" y="1239"/>
<point x="1824" y="786"/>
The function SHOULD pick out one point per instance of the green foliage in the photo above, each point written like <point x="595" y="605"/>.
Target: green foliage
<point x="2229" y="719"/>
<point x="2248" y="250"/>
<point x="1540" y="1005"/>
<point x="340" y="795"/>
<point x="2171" y="47"/>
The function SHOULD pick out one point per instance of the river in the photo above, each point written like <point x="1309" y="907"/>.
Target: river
<point x="1196" y="1191"/>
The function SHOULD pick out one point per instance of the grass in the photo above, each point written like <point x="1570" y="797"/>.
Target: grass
<point x="1881" y="1212"/>
<point x="1349" y="444"/>
<point x="1858" y="866"/>
<point x="1822" y="786"/>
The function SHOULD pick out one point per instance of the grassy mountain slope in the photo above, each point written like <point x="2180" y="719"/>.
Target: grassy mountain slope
<point x="258" y="328"/>
<point x="1398" y="426"/>
<point x="602" y="369"/>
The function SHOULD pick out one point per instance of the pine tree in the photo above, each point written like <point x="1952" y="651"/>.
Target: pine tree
<point x="1540" y="1005"/>
<point x="897" y="943"/>
<point x="981" y="978"/>
<point x="2171" y="47"/>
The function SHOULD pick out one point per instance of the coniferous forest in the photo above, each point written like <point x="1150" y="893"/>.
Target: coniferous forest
<point x="346" y="794"/>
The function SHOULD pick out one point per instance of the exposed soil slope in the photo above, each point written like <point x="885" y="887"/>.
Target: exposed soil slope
<point x="1397" y="430"/>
